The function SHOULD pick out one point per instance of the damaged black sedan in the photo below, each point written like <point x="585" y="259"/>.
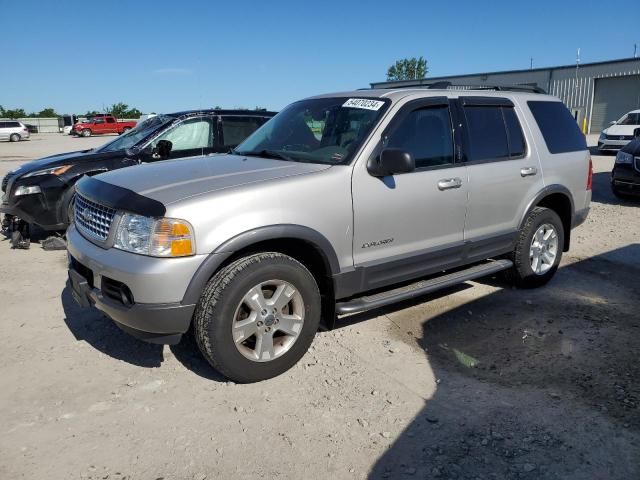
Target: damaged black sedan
<point x="40" y="192"/>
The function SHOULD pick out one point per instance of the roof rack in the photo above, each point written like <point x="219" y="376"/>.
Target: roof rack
<point x="444" y="85"/>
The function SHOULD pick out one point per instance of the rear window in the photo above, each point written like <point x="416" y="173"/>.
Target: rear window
<point x="558" y="127"/>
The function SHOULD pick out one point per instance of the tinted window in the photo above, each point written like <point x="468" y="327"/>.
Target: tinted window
<point x="426" y="134"/>
<point x="487" y="133"/>
<point x="514" y="133"/>
<point x="236" y="129"/>
<point x="558" y="127"/>
<point x="3" y="124"/>
<point x="110" y="120"/>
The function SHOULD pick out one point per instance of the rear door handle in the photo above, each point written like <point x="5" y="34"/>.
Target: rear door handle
<point x="528" y="171"/>
<point x="449" y="183"/>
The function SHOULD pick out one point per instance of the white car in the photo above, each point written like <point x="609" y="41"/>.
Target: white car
<point x="621" y="132"/>
<point x="13" y="130"/>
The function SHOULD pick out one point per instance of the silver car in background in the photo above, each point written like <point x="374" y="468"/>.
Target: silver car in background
<point x="13" y="130"/>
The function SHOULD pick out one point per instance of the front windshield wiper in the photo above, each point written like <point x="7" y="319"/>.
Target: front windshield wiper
<point x="267" y="154"/>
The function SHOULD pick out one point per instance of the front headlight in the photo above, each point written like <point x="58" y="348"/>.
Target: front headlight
<point x="162" y="237"/>
<point x="49" y="171"/>
<point x="625" y="158"/>
<point x="26" y="190"/>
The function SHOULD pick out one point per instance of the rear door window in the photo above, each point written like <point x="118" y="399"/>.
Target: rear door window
<point x="487" y="133"/>
<point x="425" y="133"/>
<point x="558" y="127"/>
<point x="236" y="129"/>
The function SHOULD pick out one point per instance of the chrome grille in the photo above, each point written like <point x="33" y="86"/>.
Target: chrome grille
<point x="92" y="218"/>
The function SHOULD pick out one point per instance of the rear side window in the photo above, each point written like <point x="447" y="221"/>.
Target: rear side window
<point x="110" y="120"/>
<point x="487" y="133"/>
<point x="236" y="129"/>
<point x="558" y="127"/>
<point x="425" y="133"/>
<point x="494" y="133"/>
<point x="3" y="124"/>
<point x="515" y="136"/>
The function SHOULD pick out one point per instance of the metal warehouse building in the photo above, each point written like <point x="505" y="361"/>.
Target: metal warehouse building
<point x="596" y="92"/>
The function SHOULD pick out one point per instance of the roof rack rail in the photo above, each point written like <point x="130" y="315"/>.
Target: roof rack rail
<point x="444" y="85"/>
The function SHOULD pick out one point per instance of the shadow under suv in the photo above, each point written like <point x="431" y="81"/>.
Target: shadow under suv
<point x="341" y="203"/>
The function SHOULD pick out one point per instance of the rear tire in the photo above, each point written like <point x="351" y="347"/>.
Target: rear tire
<point x="247" y="335"/>
<point x="15" y="137"/>
<point x="125" y="130"/>
<point x="86" y="132"/>
<point x="538" y="249"/>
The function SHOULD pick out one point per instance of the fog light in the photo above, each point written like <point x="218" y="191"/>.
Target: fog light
<point x="126" y="296"/>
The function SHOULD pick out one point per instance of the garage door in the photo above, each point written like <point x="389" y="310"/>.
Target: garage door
<point x="613" y="97"/>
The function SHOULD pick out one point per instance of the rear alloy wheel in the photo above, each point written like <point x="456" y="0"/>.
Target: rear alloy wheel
<point x="257" y="317"/>
<point x="538" y="249"/>
<point x="15" y="137"/>
<point x="86" y="132"/>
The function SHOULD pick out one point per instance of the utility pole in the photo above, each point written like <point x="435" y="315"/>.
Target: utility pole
<point x="531" y="64"/>
<point x="635" y="50"/>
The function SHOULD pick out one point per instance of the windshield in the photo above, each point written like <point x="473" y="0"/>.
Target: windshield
<point x="323" y="130"/>
<point x="135" y="135"/>
<point x="632" y="118"/>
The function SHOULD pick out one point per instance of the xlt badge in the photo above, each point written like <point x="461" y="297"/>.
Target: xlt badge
<point x="377" y="243"/>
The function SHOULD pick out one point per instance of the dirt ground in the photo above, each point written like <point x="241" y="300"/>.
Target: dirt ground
<point x="479" y="382"/>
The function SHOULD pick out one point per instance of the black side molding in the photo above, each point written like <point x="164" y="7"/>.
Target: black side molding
<point x="119" y="198"/>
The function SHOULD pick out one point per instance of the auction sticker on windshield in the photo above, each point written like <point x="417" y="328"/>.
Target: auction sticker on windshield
<point x="365" y="103"/>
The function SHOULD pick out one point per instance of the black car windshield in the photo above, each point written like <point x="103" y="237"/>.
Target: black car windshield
<point x="322" y="130"/>
<point x="135" y="135"/>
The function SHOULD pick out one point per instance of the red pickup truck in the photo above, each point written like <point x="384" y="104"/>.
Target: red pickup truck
<point x="101" y="124"/>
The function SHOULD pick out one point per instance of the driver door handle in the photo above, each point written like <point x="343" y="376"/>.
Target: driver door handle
<point x="528" y="171"/>
<point x="449" y="183"/>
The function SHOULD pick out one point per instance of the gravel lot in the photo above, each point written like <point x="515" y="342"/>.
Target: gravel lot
<point x="482" y="381"/>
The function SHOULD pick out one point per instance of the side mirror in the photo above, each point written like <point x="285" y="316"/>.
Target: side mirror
<point x="391" y="161"/>
<point x="162" y="150"/>
<point x="612" y="123"/>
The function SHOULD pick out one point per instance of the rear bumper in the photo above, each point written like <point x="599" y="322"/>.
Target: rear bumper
<point x="579" y="217"/>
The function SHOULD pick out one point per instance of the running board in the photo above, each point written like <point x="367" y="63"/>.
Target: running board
<point x="421" y="287"/>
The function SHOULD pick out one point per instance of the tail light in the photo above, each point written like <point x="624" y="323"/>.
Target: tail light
<point x="590" y="177"/>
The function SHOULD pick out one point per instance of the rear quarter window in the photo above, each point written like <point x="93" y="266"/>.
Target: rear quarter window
<point x="559" y="129"/>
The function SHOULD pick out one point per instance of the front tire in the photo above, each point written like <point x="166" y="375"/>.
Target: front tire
<point x="15" y="137"/>
<point x="86" y="132"/>
<point x="257" y="317"/>
<point x="538" y="249"/>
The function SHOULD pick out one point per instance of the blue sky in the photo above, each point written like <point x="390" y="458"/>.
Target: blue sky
<point x="166" y="55"/>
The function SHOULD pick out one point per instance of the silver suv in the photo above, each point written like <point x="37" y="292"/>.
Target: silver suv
<point x="339" y="204"/>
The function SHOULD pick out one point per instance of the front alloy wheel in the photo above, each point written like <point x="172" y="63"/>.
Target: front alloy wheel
<point x="257" y="316"/>
<point x="268" y="320"/>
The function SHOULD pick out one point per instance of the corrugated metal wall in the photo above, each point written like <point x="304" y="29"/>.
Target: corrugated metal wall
<point x="574" y="87"/>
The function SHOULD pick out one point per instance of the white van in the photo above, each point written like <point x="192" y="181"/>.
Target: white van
<point x="13" y="130"/>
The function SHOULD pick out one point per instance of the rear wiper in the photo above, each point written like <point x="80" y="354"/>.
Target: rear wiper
<point x="267" y="154"/>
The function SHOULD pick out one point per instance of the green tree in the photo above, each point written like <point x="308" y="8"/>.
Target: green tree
<point x="408" y="69"/>
<point x="13" y="113"/>
<point x="48" y="112"/>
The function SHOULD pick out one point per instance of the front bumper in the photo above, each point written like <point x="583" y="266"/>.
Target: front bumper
<point x="158" y="285"/>
<point x="626" y="178"/>
<point x="609" y="144"/>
